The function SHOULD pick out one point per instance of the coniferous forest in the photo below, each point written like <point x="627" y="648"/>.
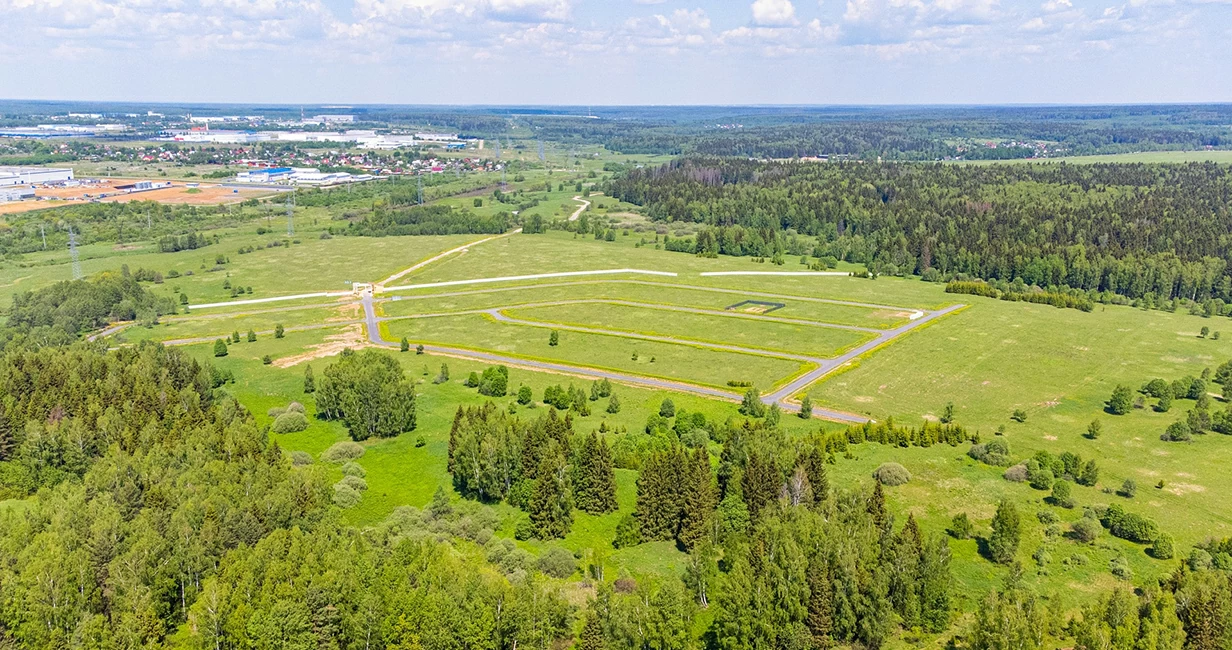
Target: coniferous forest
<point x="1150" y="232"/>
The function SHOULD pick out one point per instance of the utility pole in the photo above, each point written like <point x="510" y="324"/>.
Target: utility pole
<point x="72" y="248"/>
<point x="291" y="215"/>
<point x="43" y="232"/>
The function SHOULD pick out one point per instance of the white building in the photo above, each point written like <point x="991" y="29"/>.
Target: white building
<point x="332" y="119"/>
<point x="16" y="193"/>
<point x="270" y="175"/>
<point x="10" y="176"/>
<point x="437" y="137"/>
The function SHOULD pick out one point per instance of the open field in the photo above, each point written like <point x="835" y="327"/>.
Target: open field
<point x="718" y="328"/>
<point x="655" y="359"/>
<point x="1215" y="155"/>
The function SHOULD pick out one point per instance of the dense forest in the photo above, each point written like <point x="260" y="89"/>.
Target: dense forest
<point x="1154" y="232"/>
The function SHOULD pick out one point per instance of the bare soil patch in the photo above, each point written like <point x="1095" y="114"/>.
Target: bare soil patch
<point x="351" y="336"/>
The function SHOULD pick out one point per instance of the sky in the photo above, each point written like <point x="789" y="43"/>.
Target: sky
<point x="618" y="52"/>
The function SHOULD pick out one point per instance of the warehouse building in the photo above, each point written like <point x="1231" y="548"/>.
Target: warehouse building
<point x="10" y="176"/>
<point x="16" y="193"/>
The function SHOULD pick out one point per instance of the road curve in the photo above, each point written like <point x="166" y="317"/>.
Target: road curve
<point x="372" y="324"/>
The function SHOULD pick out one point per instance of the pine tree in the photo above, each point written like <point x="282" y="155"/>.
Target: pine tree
<point x="820" y="620"/>
<point x="877" y="507"/>
<point x="697" y="500"/>
<point x="235" y="336"/>
<point x="761" y="483"/>
<point x="613" y="404"/>
<point x="405" y="345"/>
<point x="279" y="331"/>
<point x="658" y="495"/>
<point x="252" y="336"/>
<point x="551" y="513"/>
<point x="592" y="633"/>
<point x="1006" y="533"/>
<point x="7" y="438"/>
<point x="814" y="464"/>
<point x="806" y="408"/>
<point x="667" y="408"/>
<point x="934" y="583"/>
<point x="554" y="338"/>
<point x="220" y="348"/>
<point x="595" y="485"/>
<point x="453" y="437"/>
<point x="310" y="385"/>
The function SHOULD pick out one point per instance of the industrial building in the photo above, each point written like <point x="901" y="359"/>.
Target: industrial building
<point x="10" y="176"/>
<point x="16" y="193"/>
<point x="270" y="175"/>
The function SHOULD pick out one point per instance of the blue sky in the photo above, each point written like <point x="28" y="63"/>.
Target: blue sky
<point x="618" y="51"/>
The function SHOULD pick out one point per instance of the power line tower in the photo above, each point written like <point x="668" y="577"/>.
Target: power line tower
<point x="72" y="249"/>
<point x="419" y="177"/>
<point x="498" y="149"/>
<point x="291" y="215"/>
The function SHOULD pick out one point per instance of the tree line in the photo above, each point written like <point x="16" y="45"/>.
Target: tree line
<point x="1150" y="232"/>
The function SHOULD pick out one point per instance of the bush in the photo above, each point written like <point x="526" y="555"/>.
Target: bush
<point x="274" y="412"/>
<point x="1177" y="432"/>
<point x="1018" y="415"/>
<point x="295" y="407"/>
<point x="301" y="458"/>
<point x="1038" y="477"/>
<point x="346" y="496"/>
<point x="1128" y="489"/>
<point x="1046" y="517"/>
<point x="290" y="422"/>
<point x="354" y="482"/>
<point x="494" y="382"/>
<point x="628" y="532"/>
<point x="1128" y="525"/>
<point x="1017" y="473"/>
<point x="1162" y="548"/>
<point x="342" y="451"/>
<point x="892" y="474"/>
<point x="524" y="530"/>
<point x="960" y="527"/>
<point x="624" y="585"/>
<point x="995" y="452"/>
<point x="1061" y="494"/>
<point x="1086" y="530"/>
<point x="352" y="468"/>
<point x="557" y="562"/>
<point x="1119" y="567"/>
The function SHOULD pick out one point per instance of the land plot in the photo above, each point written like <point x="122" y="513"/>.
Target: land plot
<point x="222" y="325"/>
<point x="464" y="298"/>
<point x="1060" y="366"/>
<point x="654" y="359"/>
<point x="814" y="340"/>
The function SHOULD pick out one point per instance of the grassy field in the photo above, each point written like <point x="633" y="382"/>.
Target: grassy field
<point x="1060" y="366"/>
<point x="642" y="291"/>
<point x="1219" y="156"/>
<point x="718" y="329"/>
<point x="655" y="359"/>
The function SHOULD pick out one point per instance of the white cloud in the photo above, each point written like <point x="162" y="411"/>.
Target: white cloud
<point x="774" y="13"/>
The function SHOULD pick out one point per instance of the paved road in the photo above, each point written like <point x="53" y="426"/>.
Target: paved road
<point x="781" y="395"/>
<point x="372" y="324"/>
